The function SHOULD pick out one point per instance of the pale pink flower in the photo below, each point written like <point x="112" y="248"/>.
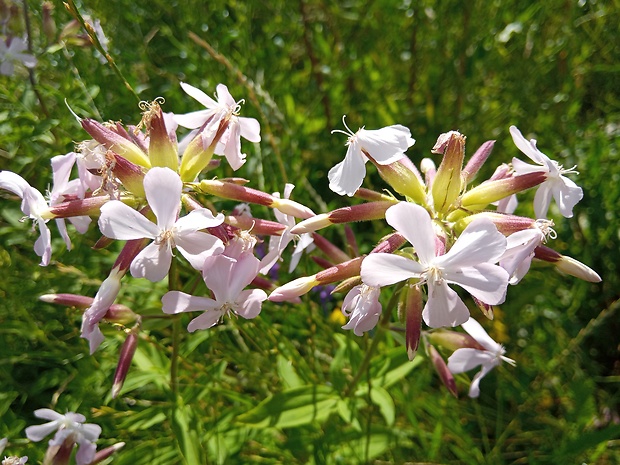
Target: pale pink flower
<point x="277" y="244"/>
<point x="14" y="53"/>
<point x="520" y="249"/>
<point x="385" y="146"/>
<point x="564" y="191"/>
<point x="470" y="263"/>
<point x="362" y="306"/>
<point x="226" y="277"/>
<point x="468" y="358"/>
<point x="69" y="426"/>
<point x="33" y="206"/>
<point x="226" y="110"/>
<point x="163" y="189"/>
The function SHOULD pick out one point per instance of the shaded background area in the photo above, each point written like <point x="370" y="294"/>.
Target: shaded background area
<point x="550" y="68"/>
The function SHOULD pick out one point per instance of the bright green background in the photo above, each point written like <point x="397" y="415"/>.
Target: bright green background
<point x="432" y="66"/>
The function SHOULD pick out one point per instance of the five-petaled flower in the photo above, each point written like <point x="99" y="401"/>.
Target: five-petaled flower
<point x="163" y="189"/>
<point x="468" y="358"/>
<point x="226" y="277"/>
<point x="68" y="427"/>
<point x="225" y="110"/>
<point x="384" y="146"/>
<point x="470" y="263"/>
<point x="363" y="308"/>
<point x="565" y="192"/>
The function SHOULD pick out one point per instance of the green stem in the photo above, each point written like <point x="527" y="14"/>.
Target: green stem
<point x="176" y="332"/>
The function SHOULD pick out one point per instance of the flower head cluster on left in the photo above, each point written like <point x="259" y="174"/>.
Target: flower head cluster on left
<point x="147" y="188"/>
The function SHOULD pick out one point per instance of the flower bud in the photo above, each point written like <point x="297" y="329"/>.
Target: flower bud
<point x="162" y="150"/>
<point x="451" y="340"/>
<point x="506" y="224"/>
<point x="447" y="184"/>
<point x="491" y="191"/>
<point x="115" y="142"/>
<point x="477" y="160"/>
<point x="198" y="153"/>
<point x="295" y="288"/>
<point x="130" y="175"/>
<point x="334" y="253"/>
<point x="404" y="180"/>
<point x="89" y="206"/>
<point x="124" y="362"/>
<point x="442" y="370"/>
<point x="566" y="264"/>
<point x="412" y="309"/>
<point x="103" y="454"/>
<point x="49" y="26"/>
<point x="362" y="212"/>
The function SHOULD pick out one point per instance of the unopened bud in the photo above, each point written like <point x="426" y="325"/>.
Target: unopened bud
<point x="412" y="310"/>
<point x="506" y="224"/>
<point x="162" y="150"/>
<point x="363" y="212"/>
<point x="567" y="264"/>
<point x="295" y="288"/>
<point x="452" y="340"/>
<point x="428" y="168"/>
<point x="447" y="184"/>
<point x="115" y="142"/>
<point x="477" y="160"/>
<point x="198" y="153"/>
<point x="103" y="454"/>
<point x="130" y="175"/>
<point x="49" y="26"/>
<point x="442" y="370"/>
<point x="124" y="362"/>
<point x="491" y="191"/>
<point x="90" y="206"/>
<point x="404" y="180"/>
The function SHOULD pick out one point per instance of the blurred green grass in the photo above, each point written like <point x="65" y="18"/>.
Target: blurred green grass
<point x="551" y="68"/>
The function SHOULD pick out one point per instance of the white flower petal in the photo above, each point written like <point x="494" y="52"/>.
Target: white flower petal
<point x="479" y="242"/>
<point x="13" y="182"/>
<point x="466" y="359"/>
<point x="528" y="147"/>
<point x="348" y="175"/>
<point x="244" y="272"/>
<point x="250" y="129"/>
<point x="197" y="246"/>
<point x="119" y="221"/>
<point x="224" y="97"/>
<point x="485" y="282"/>
<point x="206" y="320"/>
<point x="48" y="414"/>
<point x="163" y="193"/>
<point x="195" y="119"/>
<point x="38" y="432"/>
<point x="383" y="269"/>
<point x="385" y="145"/>
<point x="474" y="388"/>
<point x="414" y="223"/>
<point x="152" y="263"/>
<point x="200" y="218"/>
<point x="43" y="245"/>
<point x="198" y="95"/>
<point x="444" y="307"/>
<point x="475" y="330"/>
<point x="567" y="194"/>
<point x="250" y="302"/>
<point x="217" y="273"/>
<point x="179" y="302"/>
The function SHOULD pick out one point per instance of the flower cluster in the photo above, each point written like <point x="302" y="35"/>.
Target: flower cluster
<point x="150" y="190"/>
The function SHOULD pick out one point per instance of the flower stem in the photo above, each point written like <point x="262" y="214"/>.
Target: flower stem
<point x="176" y="332"/>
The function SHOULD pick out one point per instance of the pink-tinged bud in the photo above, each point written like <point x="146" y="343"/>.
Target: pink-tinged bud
<point x="390" y="243"/>
<point x="130" y="175"/>
<point x="256" y="225"/>
<point x="68" y="300"/>
<point x="334" y="253"/>
<point x="486" y="309"/>
<point x="567" y="264"/>
<point x="263" y="283"/>
<point x="60" y="454"/>
<point x="429" y="170"/>
<point x="89" y="206"/>
<point x="162" y="150"/>
<point x="229" y="190"/>
<point x="103" y="454"/>
<point x="362" y="212"/>
<point x="477" y="160"/>
<point x="351" y="240"/>
<point x="505" y="223"/>
<point x="124" y="362"/>
<point x="130" y="250"/>
<point x="447" y="184"/>
<point x="340" y="271"/>
<point x="371" y="196"/>
<point x="403" y="180"/>
<point x="451" y="340"/>
<point x="295" y="288"/>
<point x="442" y="370"/>
<point x="115" y="142"/>
<point x="412" y="310"/>
<point x="120" y="314"/>
<point x="491" y="191"/>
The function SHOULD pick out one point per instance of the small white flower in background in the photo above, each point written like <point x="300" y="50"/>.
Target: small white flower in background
<point x="363" y="308"/>
<point x="564" y="191"/>
<point x="385" y="146"/>
<point x="70" y="427"/>
<point x="13" y="53"/>
<point x="11" y="459"/>
<point x="470" y="263"/>
<point x="467" y="358"/>
<point x="163" y="189"/>
<point x="225" y="109"/>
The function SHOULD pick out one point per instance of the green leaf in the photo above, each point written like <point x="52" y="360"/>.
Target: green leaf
<point x="293" y="407"/>
<point x="381" y="398"/>
<point x="287" y="373"/>
<point x="187" y="433"/>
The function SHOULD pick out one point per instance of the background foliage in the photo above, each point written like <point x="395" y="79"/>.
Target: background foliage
<point x="275" y="389"/>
